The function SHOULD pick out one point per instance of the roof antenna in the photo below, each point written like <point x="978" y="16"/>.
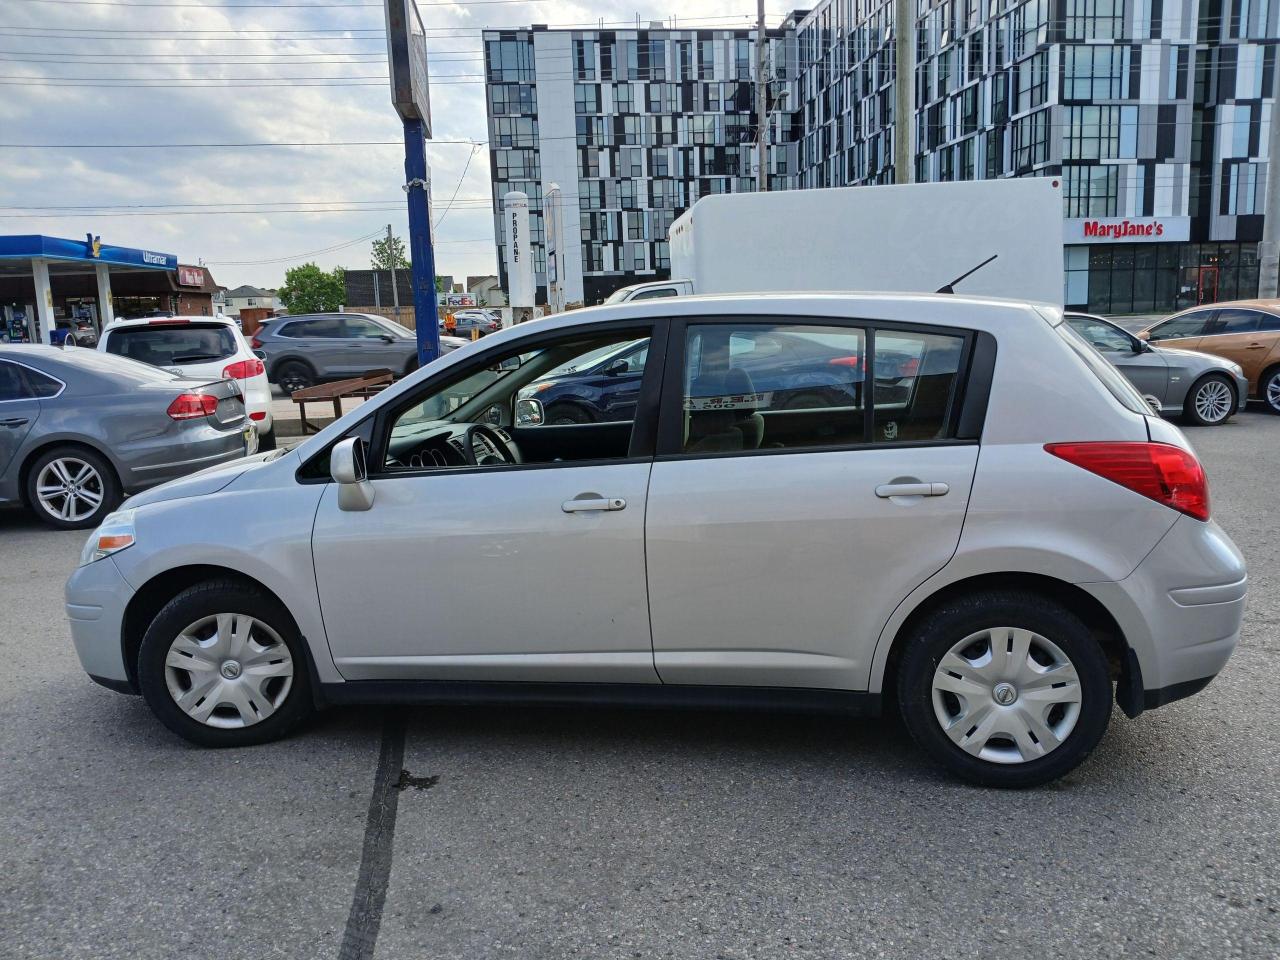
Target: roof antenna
<point x="951" y="287"/>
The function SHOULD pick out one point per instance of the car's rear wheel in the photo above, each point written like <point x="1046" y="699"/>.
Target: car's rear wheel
<point x="267" y="441"/>
<point x="1005" y="689"/>
<point x="1269" y="389"/>
<point x="294" y="375"/>
<point x="72" y="488"/>
<point x="222" y="665"/>
<point x="1210" y="401"/>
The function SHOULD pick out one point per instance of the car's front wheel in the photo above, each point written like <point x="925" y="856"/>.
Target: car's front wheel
<point x="1005" y="689"/>
<point x="1210" y="401"/>
<point x="222" y="665"/>
<point x="1269" y="389"/>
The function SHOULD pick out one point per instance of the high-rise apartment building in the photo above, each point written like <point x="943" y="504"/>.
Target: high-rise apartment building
<point x="1154" y="115"/>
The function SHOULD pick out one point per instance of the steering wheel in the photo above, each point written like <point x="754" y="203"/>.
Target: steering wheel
<point x="495" y="448"/>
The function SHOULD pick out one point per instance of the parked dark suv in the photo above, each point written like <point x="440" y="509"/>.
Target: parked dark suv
<point x="798" y="371"/>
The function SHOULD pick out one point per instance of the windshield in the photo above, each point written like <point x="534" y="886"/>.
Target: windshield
<point x="173" y="346"/>
<point x="593" y="359"/>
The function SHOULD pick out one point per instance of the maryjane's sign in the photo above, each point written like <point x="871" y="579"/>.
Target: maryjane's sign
<point x="1127" y="230"/>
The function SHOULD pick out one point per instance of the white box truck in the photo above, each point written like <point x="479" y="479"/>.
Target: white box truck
<point x="913" y="238"/>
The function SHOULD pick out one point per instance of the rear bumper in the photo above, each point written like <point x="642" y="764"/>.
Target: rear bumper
<point x="167" y="457"/>
<point x="96" y="597"/>
<point x="1180" y="612"/>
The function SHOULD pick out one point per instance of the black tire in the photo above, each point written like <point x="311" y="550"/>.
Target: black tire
<point x="107" y="487"/>
<point x="208" y="599"/>
<point x="959" y="618"/>
<point x="567" y="413"/>
<point x="410" y="366"/>
<point x="1192" y="416"/>
<point x="267" y="441"/>
<point x="1269" y="389"/>
<point x="294" y="375"/>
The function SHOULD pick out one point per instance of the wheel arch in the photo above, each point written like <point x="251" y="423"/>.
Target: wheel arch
<point x="152" y="596"/>
<point x="1096" y="617"/>
<point x="274" y="369"/>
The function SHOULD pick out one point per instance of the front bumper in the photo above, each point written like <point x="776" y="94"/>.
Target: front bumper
<point x="1242" y="393"/>
<point x="96" y="598"/>
<point x="1180" y="612"/>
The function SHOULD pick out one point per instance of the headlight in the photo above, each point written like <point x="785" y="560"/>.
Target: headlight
<point x="115" y="533"/>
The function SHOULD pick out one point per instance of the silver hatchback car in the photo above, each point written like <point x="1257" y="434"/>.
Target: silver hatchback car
<point x="967" y="514"/>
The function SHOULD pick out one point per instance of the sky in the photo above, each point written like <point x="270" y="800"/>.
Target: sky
<point x="95" y="94"/>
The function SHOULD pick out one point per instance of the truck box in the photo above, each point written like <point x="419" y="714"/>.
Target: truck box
<point x="914" y="238"/>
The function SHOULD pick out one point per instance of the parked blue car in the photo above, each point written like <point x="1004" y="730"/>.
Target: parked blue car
<point x="812" y="374"/>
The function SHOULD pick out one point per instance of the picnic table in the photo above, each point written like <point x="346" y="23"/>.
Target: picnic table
<point x="363" y="386"/>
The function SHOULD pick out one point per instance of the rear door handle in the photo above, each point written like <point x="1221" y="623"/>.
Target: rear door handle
<point x="14" y="422"/>
<point x="1255" y="346"/>
<point x="588" y="504"/>
<point x="887" y="490"/>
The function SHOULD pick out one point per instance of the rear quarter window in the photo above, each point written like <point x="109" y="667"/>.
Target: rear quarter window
<point x="1115" y="382"/>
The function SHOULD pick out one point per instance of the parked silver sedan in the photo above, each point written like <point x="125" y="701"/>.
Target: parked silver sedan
<point x="1202" y="389"/>
<point x="80" y="429"/>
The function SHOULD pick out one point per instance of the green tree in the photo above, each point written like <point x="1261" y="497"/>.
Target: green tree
<point x="389" y="252"/>
<point x="308" y="289"/>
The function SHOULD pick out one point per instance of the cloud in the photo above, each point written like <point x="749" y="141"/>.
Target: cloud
<point x="77" y="44"/>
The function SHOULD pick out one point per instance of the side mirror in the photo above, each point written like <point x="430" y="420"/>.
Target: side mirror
<point x="617" y="368"/>
<point x="529" y="413"/>
<point x="387" y="338"/>
<point x="348" y="469"/>
<point x="493" y="416"/>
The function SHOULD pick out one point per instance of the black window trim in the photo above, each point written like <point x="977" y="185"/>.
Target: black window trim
<point x="375" y="429"/>
<point x="965" y="415"/>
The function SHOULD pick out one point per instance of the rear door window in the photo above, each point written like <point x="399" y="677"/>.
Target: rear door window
<point x="328" y="328"/>
<point x="169" y="346"/>
<point x="1235" y="321"/>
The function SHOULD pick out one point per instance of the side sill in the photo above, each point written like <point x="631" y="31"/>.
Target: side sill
<point x="1175" y="691"/>
<point x="659" y="696"/>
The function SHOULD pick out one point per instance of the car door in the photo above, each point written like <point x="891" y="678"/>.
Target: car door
<point x="779" y="539"/>
<point x="529" y="572"/>
<point x="19" y="409"/>
<point x="318" y="340"/>
<point x="1183" y="331"/>
<point x="1237" y="335"/>
<point x="373" y="347"/>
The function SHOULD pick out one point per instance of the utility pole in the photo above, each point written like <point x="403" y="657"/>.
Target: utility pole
<point x="391" y="259"/>
<point x="1269" y="248"/>
<point x="904" y="87"/>
<point x="422" y="257"/>
<point x="762" y="105"/>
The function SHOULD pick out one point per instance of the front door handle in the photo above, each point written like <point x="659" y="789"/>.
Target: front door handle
<point x="14" y="422"/>
<point x="1255" y="346"/>
<point x="588" y="504"/>
<point x="886" y="490"/>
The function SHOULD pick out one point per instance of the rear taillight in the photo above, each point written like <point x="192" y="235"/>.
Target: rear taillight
<point x="258" y="415"/>
<point x="255" y="343"/>
<point x="853" y="360"/>
<point x="1160" y="471"/>
<point x="243" y="369"/>
<point x="189" y="406"/>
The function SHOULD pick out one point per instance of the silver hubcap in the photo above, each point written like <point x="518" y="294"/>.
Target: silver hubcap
<point x="1273" y="391"/>
<point x="69" y="488"/>
<point x="1213" y="401"/>
<point x="1006" y="695"/>
<point x="228" y="670"/>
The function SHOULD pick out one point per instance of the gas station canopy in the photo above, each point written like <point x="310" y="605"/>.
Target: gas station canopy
<point x="36" y="257"/>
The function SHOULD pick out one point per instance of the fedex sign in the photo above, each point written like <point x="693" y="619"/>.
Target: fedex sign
<point x="1127" y="230"/>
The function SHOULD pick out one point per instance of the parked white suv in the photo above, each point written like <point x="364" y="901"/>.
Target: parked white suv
<point x="198" y="346"/>
<point x="840" y="502"/>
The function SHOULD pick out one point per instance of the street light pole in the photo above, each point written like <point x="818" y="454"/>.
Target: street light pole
<point x="904" y="88"/>
<point x="762" y="105"/>
<point x="391" y="254"/>
<point x="422" y="257"/>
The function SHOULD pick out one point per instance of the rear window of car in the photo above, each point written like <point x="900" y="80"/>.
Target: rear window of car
<point x="1104" y="370"/>
<point x="169" y="346"/>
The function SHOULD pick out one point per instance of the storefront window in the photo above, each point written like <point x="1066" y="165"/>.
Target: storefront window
<point x="1158" y="278"/>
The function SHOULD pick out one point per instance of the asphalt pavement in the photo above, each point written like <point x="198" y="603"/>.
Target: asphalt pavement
<point x="487" y="832"/>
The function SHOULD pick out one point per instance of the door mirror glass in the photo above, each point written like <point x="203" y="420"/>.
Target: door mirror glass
<point x="529" y="413"/>
<point x="493" y="415"/>
<point x="348" y="468"/>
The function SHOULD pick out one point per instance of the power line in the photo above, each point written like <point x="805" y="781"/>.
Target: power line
<point x="297" y="256"/>
<point x="264" y="143"/>
<point x="467" y="166"/>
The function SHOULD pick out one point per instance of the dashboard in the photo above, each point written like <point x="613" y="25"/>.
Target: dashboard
<point x="437" y="444"/>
